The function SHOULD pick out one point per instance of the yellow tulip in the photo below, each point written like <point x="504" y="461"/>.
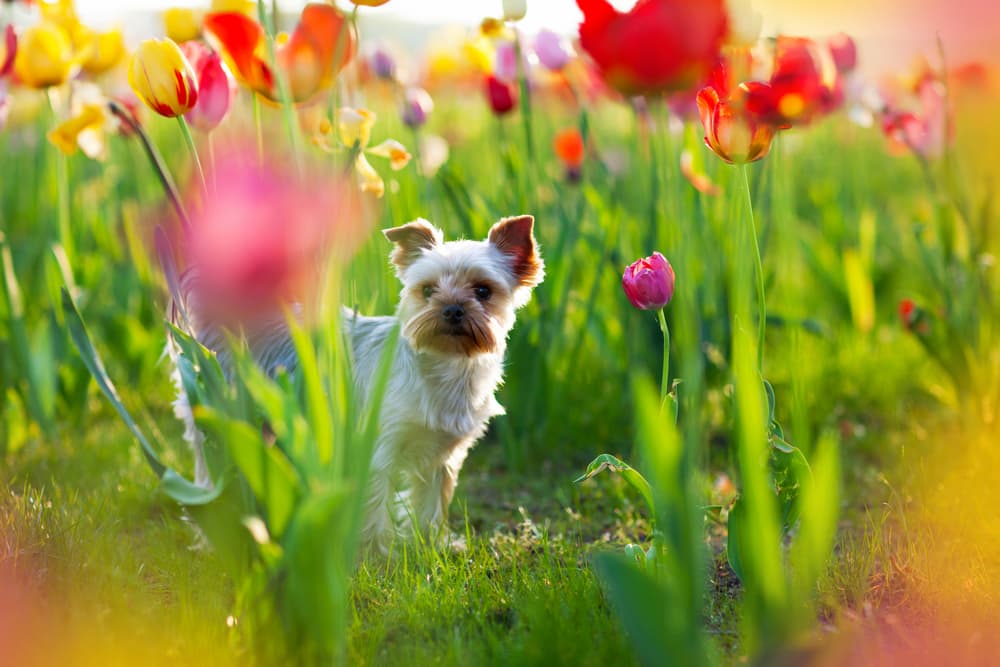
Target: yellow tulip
<point x="104" y="49"/>
<point x="44" y="56"/>
<point x="369" y="3"/>
<point x="398" y="156"/>
<point x="182" y="25"/>
<point x="356" y="127"/>
<point x="81" y="130"/>
<point x="162" y="77"/>
<point x="248" y="7"/>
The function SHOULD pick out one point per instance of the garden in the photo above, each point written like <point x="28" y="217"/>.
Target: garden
<point x="741" y="289"/>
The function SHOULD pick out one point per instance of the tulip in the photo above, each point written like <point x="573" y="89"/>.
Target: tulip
<point x="569" y="148"/>
<point x="658" y="46"/>
<point x="354" y="130"/>
<point x="844" y="52"/>
<point x="103" y="50"/>
<point x="81" y="130"/>
<point x="417" y="104"/>
<point x="502" y="96"/>
<point x="505" y="62"/>
<point x="552" y="50"/>
<point x="927" y="133"/>
<point x="216" y="87"/>
<point x="649" y="282"/>
<point x="182" y="25"/>
<point x="369" y="3"/>
<point x="804" y="84"/>
<point x="7" y="55"/>
<point x="9" y="51"/>
<point x="383" y="65"/>
<point x="320" y="46"/>
<point x="514" y="10"/>
<point x="163" y="78"/>
<point x="257" y="238"/>
<point x="44" y="57"/>
<point x="732" y="133"/>
<point x="247" y="7"/>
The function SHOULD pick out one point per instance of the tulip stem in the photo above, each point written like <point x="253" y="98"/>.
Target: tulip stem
<point x="759" y="271"/>
<point x="665" y="378"/>
<point x="159" y="167"/>
<point x="189" y="140"/>
<point x="62" y="191"/>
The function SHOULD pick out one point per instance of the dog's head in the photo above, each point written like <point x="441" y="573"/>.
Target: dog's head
<point x="459" y="297"/>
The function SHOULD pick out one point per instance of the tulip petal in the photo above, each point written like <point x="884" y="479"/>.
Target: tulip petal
<point x="398" y="156"/>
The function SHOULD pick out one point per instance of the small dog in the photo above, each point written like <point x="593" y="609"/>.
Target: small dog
<point x="456" y="309"/>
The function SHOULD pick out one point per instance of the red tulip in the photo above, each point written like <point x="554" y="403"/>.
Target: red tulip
<point x="649" y="282"/>
<point x="803" y="84"/>
<point x="320" y="46"/>
<point x="9" y="51"/>
<point x="658" y="46"/>
<point x="216" y="87"/>
<point x="502" y="96"/>
<point x="731" y="131"/>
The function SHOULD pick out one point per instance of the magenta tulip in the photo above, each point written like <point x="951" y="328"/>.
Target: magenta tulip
<point x="216" y="87"/>
<point x="649" y="282"/>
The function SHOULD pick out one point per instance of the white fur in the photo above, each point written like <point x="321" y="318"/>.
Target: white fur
<point x="436" y="406"/>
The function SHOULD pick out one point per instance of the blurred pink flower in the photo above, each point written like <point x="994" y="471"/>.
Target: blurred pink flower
<point x="505" y="66"/>
<point x="9" y="50"/>
<point x="926" y="133"/>
<point x="553" y="50"/>
<point x="844" y="52"/>
<point x="216" y="87"/>
<point x="262" y="238"/>
<point x="649" y="282"/>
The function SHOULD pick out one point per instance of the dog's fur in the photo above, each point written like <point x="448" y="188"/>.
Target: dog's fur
<point x="456" y="309"/>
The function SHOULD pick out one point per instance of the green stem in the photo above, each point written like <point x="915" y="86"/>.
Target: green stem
<point x="665" y="378"/>
<point x="759" y="269"/>
<point x="189" y="140"/>
<point x="62" y="191"/>
<point x="287" y="110"/>
<point x="522" y="78"/>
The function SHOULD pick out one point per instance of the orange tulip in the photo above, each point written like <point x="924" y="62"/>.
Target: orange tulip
<point x="568" y="145"/>
<point x="320" y="46"/>
<point x="732" y="133"/>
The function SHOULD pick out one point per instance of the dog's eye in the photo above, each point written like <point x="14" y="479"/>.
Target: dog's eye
<point x="428" y="291"/>
<point x="482" y="292"/>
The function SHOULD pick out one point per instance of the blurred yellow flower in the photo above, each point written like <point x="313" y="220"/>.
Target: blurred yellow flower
<point x="354" y="129"/>
<point x="44" y="56"/>
<point x="182" y="25"/>
<point x="369" y="3"/>
<point x="248" y="7"/>
<point x="103" y="50"/>
<point x="162" y="77"/>
<point x="84" y="130"/>
<point x="479" y="53"/>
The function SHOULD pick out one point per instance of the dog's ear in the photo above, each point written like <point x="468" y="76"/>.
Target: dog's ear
<point x="411" y="240"/>
<point x="513" y="237"/>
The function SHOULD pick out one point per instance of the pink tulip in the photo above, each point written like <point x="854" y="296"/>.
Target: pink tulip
<point x="844" y="52"/>
<point x="505" y="68"/>
<point x="649" y="282"/>
<point x="216" y="87"/>
<point x="6" y="67"/>
<point x="553" y="50"/>
<point x="261" y="239"/>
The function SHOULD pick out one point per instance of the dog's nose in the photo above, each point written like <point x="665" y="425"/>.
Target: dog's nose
<point x="453" y="314"/>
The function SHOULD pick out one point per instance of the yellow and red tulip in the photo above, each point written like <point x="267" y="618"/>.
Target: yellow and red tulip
<point x="320" y="46"/>
<point x="163" y="78"/>
<point x="45" y="57"/>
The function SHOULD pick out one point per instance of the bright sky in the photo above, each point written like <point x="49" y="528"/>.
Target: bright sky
<point x="889" y="32"/>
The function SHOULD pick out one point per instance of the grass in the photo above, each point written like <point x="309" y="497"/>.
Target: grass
<point x="92" y="548"/>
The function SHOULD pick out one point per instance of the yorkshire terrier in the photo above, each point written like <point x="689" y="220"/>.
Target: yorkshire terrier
<point x="455" y="311"/>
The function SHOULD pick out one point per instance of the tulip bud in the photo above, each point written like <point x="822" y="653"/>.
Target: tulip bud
<point x="44" y="57"/>
<point x="649" y="282"/>
<point x="216" y="87"/>
<point x="553" y="50"/>
<point x="383" y="65"/>
<point x="163" y="78"/>
<point x="501" y="96"/>
<point x="514" y="10"/>
<point x="416" y="105"/>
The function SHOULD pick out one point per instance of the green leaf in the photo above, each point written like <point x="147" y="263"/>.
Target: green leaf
<point x="735" y="544"/>
<point x="78" y="332"/>
<point x="631" y="475"/>
<point x="268" y="473"/>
